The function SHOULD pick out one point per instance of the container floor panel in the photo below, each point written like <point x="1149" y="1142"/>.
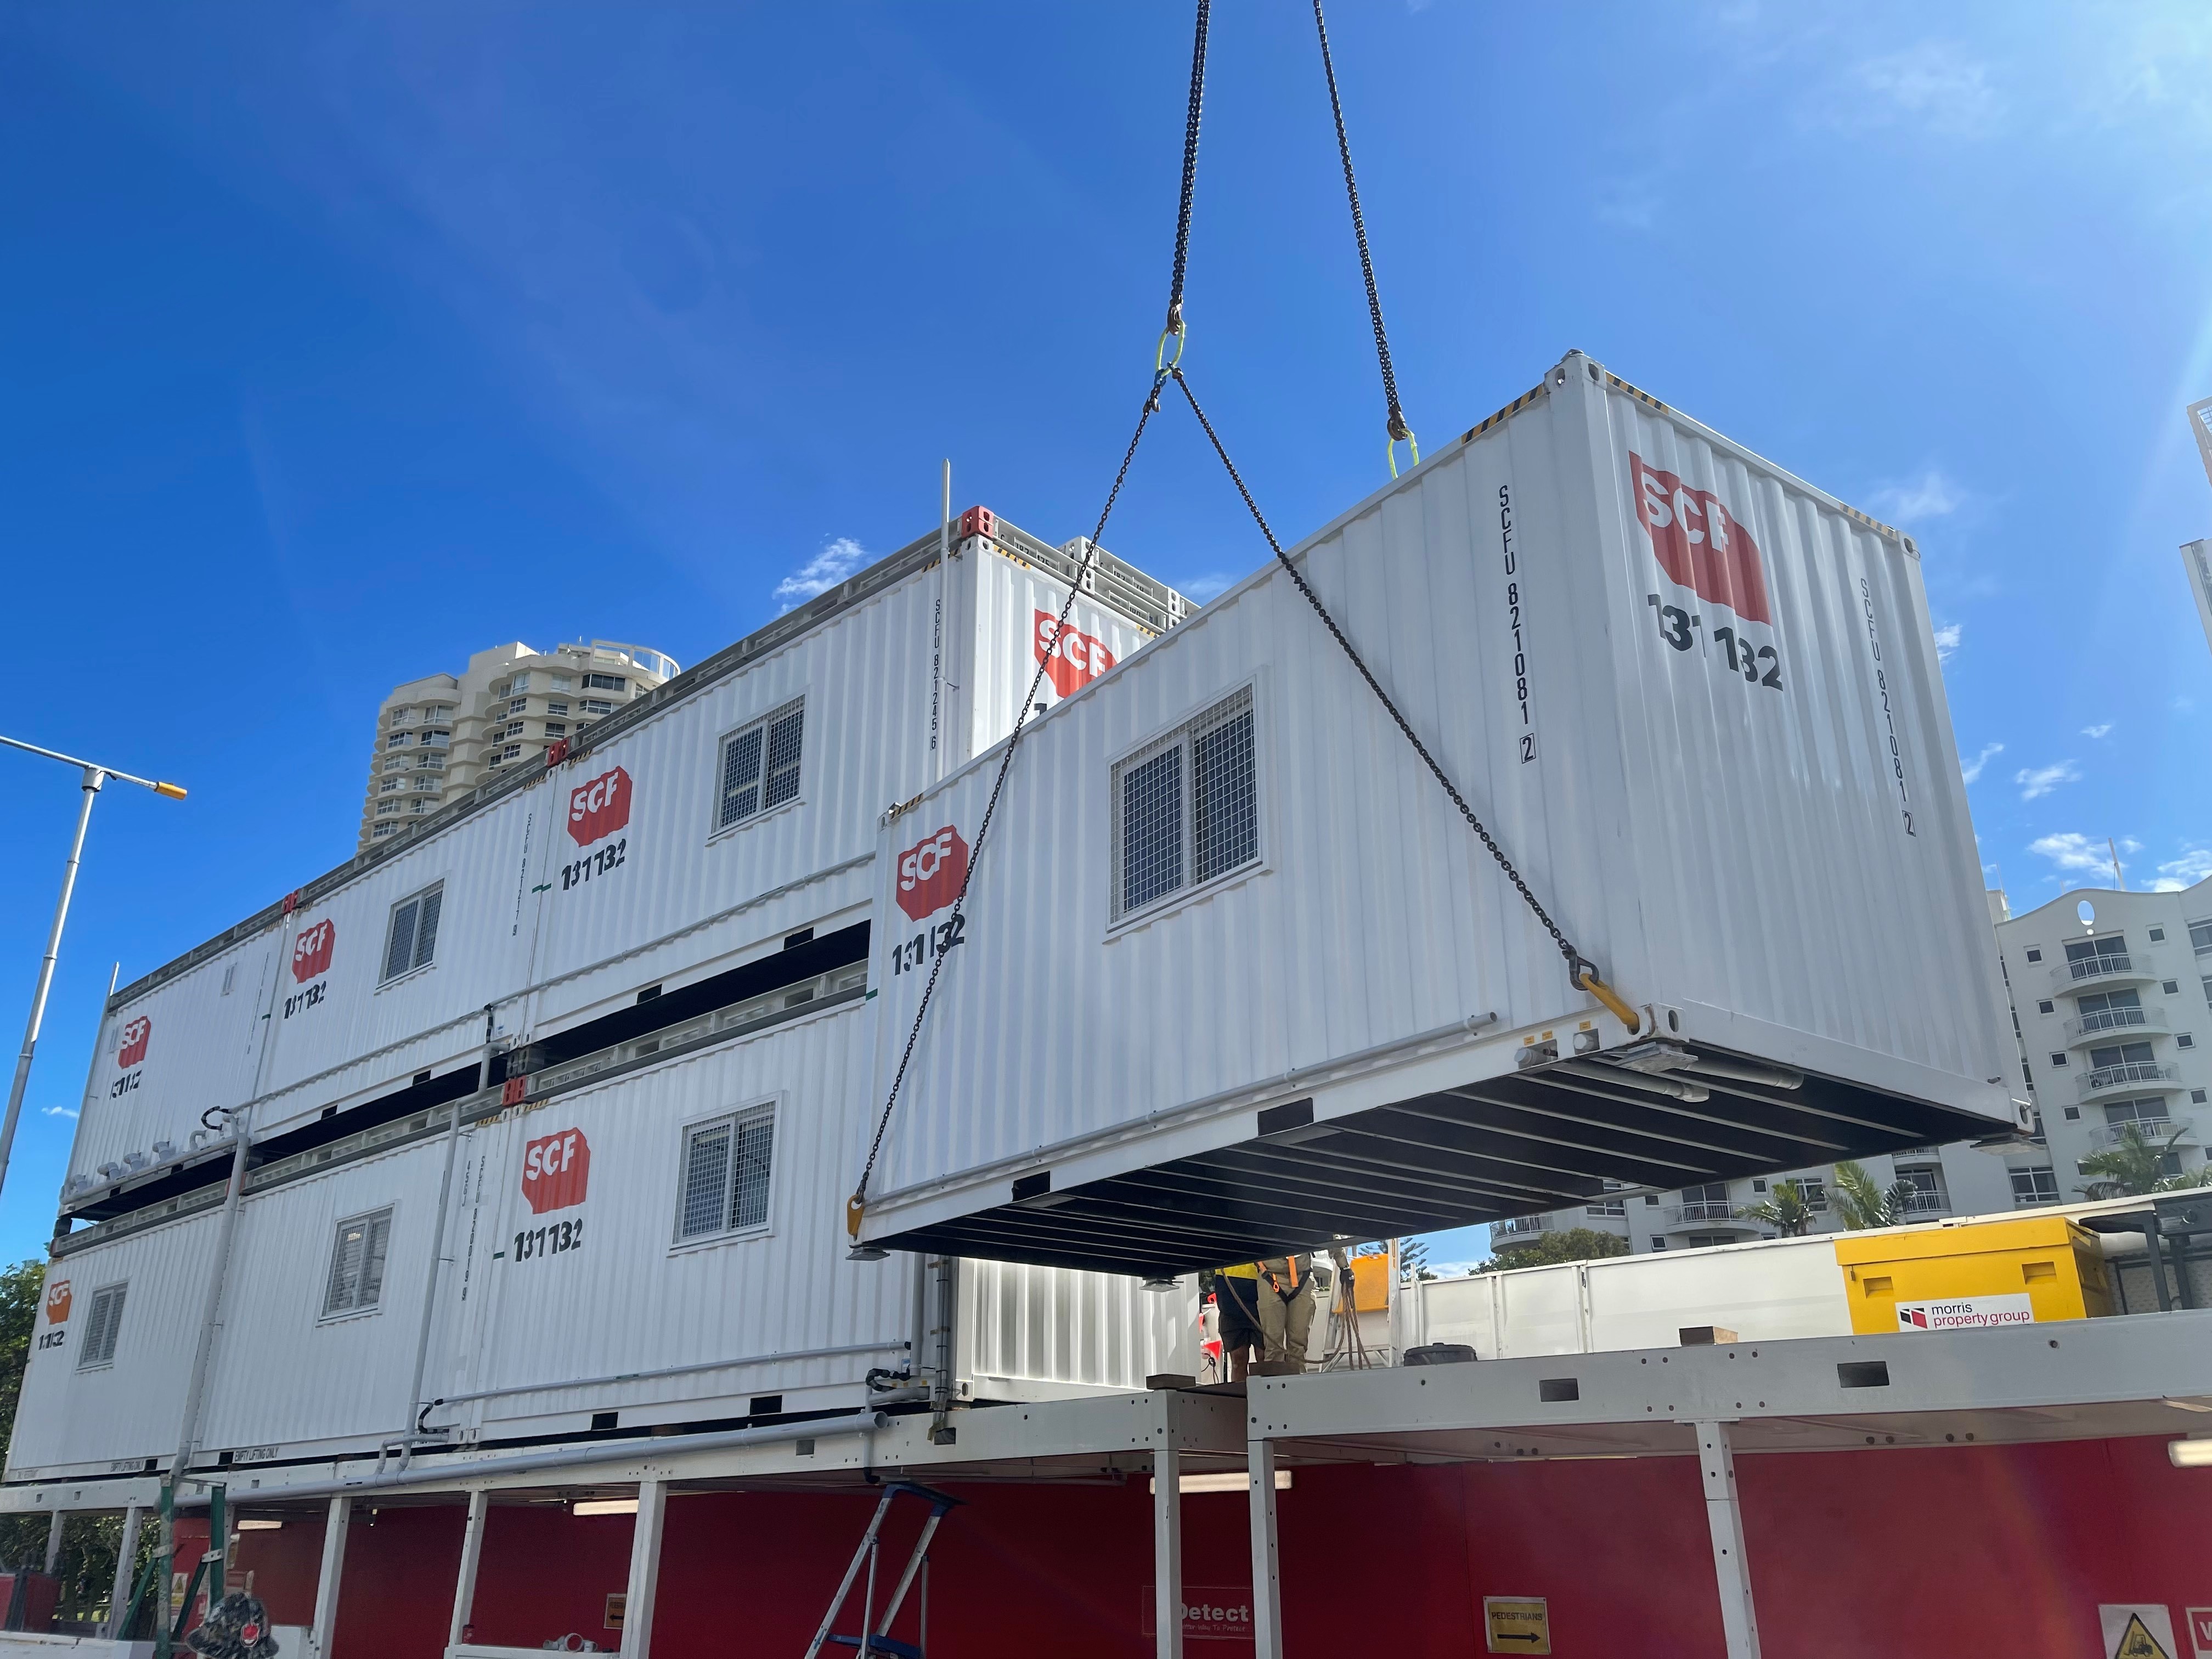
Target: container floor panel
<point x="1507" y="1146"/>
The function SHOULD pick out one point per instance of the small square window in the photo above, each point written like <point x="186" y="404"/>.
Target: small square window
<point x="1187" y="808"/>
<point x="2044" y="1008"/>
<point x="1658" y="1244"/>
<point x="761" y="765"/>
<point x="102" y="1326"/>
<point x="2184" y="1040"/>
<point x="726" y="1165"/>
<point x="2073" y="1114"/>
<point x="2157" y="935"/>
<point x="410" y="939"/>
<point x="2058" y="1059"/>
<point x="2197" y="1096"/>
<point x="1759" y="1186"/>
<point x="1651" y="1198"/>
<point x="2171" y="987"/>
<point x="356" y="1284"/>
<point x="2035" y="955"/>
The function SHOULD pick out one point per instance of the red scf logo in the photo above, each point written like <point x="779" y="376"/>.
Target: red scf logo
<point x="311" y="951"/>
<point x="136" y="1035"/>
<point x="599" y="807"/>
<point x="556" y="1171"/>
<point x="57" y="1302"/>
<point x="1699" y="544"/>
<point x="931" y="872"/>
<point x="1071" y="660"/>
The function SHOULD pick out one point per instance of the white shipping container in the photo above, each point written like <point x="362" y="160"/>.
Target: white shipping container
<point x="1234" y="976"/>
<point x="1764" y="1292"/>
<point x="555" y="896"/>
<point x="572" y="1291"/>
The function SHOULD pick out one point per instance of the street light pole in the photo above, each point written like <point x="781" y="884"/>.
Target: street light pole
<point x="94" y="778"/>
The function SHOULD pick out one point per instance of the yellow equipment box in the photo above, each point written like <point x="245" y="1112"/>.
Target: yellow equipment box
<point x="2026" y="1270"/>
<point x="1371" y="1283"/>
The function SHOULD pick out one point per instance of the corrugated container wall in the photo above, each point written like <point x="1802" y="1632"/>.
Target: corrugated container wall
<point x="623" y="866"/>
<point x="1697" y="703"/>
<point x="632" y="901"/>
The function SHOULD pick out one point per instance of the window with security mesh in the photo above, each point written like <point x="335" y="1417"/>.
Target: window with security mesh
<point x="1186" y="808"/>
<point x="410" y="939"/>
<point x="101" y="1324"/>
<point x="357" y="1255"/>
<point x="726" y="1167"/>
<point x="760" y="765"/>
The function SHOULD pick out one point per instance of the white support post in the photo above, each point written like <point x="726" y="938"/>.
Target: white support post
<point x="1724" y="1515"/>
<point x="54" y="1542"/>
<point x="1267" y="1579"/>
<point x="1167" y="1547"/>
<point x="337" y="1523"/>
<point x="644" y="1569"/>
<point x="464" y="1586"/>
<point x="126" y="1570"/>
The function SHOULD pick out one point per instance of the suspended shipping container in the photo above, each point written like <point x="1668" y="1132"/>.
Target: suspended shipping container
<point x="1234" y="975"/>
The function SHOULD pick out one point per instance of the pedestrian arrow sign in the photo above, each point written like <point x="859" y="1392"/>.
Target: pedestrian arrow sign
<point x="1516" y="1624"/>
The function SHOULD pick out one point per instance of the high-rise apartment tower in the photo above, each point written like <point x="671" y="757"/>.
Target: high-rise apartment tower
<point x="441" y="736"/>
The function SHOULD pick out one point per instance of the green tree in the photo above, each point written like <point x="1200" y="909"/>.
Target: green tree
<point x="1785" y="1211"/>
<point x="1546" y="1250"/>
<point x="1413" y="1258"/>
<point x="1862" y="1204"/>
<point x="2135" y="1165"/>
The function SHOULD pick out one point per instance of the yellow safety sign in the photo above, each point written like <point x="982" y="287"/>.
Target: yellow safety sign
<point x="1516" y="1624"/>
<point x="2138" y="1643"/>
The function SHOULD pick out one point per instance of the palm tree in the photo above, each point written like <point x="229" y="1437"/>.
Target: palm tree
<point x="1862" y="1205"/>
<point x="1785" y="1211"/>
<point x="2133" y="1166"/>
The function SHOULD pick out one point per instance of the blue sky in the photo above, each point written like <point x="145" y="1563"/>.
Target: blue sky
<point x="341" y="342"/>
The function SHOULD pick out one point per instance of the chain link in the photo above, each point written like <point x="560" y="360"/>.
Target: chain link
<point x="1395" y="423"/>
<point x="1577" y="962"/>
<point x="997" y="788"/>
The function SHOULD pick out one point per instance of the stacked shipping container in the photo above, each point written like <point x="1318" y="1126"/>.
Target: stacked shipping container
<point x="640" y="977"/>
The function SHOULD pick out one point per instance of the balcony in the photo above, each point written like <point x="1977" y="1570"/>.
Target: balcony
<point x="1521" y="1230"/>
<point x="2127" y="1077"/>
<point x="2094" y="973"/>
<point x="1922" y="1203"/>
<point x="1704" y="1212"/>
<point x="2092" y="1028"/>
<point x="2179" y="1130"/>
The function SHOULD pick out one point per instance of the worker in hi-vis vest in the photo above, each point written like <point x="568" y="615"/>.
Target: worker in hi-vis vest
<point x="1287" y="1308"/>
<point x="1237" y="1301"/>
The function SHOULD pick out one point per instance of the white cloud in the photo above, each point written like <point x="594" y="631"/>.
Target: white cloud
<point x="1947" y="640"/>
<point x="1205" y="589"/>
<point x="1936" y="83"/>
<point x="1931" y="495"/>
<point x="2041" y="780"/>
<point x="2129" y="844"/>
<point x="58" y="1111"/>
<point x="835" y="561"/>
<point x="2096" y="730"/>
<point x="2073" y="851"/>
<point x="1971" y="770"/>
<point x="2194" y="865"/>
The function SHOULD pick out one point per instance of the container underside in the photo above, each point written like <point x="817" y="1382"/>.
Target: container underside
<point x="1538" y="1139"/>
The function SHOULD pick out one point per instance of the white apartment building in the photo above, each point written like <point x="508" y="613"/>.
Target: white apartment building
<point x="440" y="737"/>
<point x="2112" y="998"/>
